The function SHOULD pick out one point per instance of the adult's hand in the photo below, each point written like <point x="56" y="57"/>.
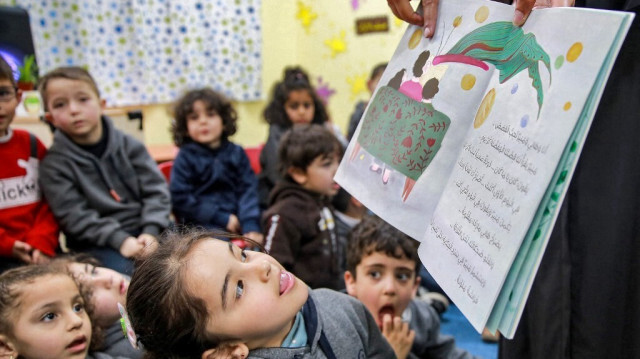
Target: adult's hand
<point x="404" y="11"/>
<point x="524" y="7"/>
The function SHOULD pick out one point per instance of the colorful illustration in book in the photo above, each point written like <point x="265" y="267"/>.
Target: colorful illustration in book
<point x="403" y="131"/>
<point x="504" y="46"/>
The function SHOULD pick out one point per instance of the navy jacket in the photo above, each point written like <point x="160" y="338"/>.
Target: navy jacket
<point x="208" y="185"/>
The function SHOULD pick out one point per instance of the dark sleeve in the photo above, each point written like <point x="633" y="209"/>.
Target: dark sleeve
<point x="355" y="119"/>
<point x="282" y="239"/>
<point x="156" y="204"/>
<point x="429" y="342"/>
<point x="247" y="193"/>
<point x="269" y="156"/>
<point x="186" y="203"/>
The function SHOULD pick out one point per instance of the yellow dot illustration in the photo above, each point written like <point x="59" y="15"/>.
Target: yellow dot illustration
<point x="485" y="108"/>
<point x="574" y="52"/>
<point x="482" y="14"/>
<point x="457" y="21"/>
<point x="467" y="82"/>
<point x="567" y="106"/>
<point x="415" y="38"/>
<point x="361" y="157"/>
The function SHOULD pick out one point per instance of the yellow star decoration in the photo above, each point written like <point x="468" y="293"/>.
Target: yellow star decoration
<point x="358" y="84"/>
<point x="306" y="15"/>
<point x="337" y="44"/>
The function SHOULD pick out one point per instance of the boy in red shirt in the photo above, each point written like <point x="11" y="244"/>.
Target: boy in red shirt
<point x="28" y="230"/>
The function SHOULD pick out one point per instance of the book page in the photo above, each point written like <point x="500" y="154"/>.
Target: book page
<point x="509" y="158"/>
<point x="406" y="189"/>
<point x="459" y="154"/>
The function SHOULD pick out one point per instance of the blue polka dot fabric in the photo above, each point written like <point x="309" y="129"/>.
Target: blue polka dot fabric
<point x="150" y="51"/>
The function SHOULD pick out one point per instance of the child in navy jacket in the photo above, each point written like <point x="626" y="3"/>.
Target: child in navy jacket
<point x="212" y="183"/>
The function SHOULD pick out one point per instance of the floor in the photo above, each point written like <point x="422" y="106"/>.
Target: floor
<point x="454" y="323"/>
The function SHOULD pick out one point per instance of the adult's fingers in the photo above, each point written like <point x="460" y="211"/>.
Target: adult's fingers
<point x="523" y="9"/>
<point x="430" y="14"/>
<point x="402" y="10"/>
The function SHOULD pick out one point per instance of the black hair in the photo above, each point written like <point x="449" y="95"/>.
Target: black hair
<point x="377" y="70"/>
<point x="294" y="78"/>
<point x="302" y="144"/>
<point x="168" y="320"/>
<point x="6" y="72"/>
<point x="213" y="101"/>
<point x="373" y="234"/>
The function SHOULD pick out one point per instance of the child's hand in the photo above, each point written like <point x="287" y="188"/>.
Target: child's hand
<point x="21" y="250"/>
<point x="149" y="244"/>
<point x="233" y="225"/>
<point x="398" y="335"/>
<point x="38" y="257"/>
<point x="131" y="247"/>
<point x="255" y="236"/>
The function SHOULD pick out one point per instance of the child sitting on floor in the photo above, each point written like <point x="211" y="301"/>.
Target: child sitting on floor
<point x="106" y="289"/>
<point x="382" y="267"/>
<point x="212" y="183"/>
<point x="104" y="188"/>
<point x="299" y="226"/>
<point x="293" y="102"/>
<point x="250" y="307"/>
<point x="28" y="230"/>
<point x="43" y="315"/>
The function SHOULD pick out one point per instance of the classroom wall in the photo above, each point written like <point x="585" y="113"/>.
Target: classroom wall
<point x="321" y="37"/>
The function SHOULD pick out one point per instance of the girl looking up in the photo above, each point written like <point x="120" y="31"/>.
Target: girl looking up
<point x="107" y="288"/>
<point x="212" y="184"/>
<point x="42" y="314"/>
<point x="202" y="297"/>
<point x="293" y="101"/>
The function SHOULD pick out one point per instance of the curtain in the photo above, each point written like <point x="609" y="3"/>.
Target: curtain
<point x="150" y="51"/>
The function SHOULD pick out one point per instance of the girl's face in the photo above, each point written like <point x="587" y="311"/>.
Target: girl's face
<point x="108" y="288"/>
<point x="250" y="295"/>
<point x="299" y="107"/>
<point x="51" y="321"/>
<point x="205" y="125"/>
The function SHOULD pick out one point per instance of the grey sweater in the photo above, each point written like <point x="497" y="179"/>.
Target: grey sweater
<point x="429" y="342"/>
<point x="117" y="345"/>
<point x="99" y="202"/>
<point x="338" y="326"/>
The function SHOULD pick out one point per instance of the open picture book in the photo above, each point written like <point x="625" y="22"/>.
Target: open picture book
<point x="470" y="140"/>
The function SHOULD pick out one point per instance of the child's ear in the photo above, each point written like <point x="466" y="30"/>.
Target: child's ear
<point x="350" y="283"/>
<point x="7" y="349"/>
<point x="230" y="350"/>
<point x="298" y="174"/>
<point x="416" y="286"/>
<point x="19" y="95"/>
<point x="103" y="103"/>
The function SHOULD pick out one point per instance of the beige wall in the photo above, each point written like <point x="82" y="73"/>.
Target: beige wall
<point x="287" y="42"/>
